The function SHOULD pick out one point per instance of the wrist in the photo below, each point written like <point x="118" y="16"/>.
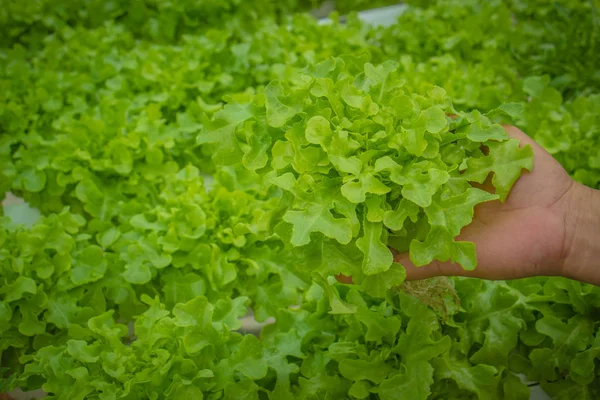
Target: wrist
<point x="581" y="252"/>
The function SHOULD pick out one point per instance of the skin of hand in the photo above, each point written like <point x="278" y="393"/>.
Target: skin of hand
<point x="536" y="232"/>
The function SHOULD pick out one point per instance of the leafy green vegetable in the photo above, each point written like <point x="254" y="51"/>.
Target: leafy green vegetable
<point x="345" y="153"/>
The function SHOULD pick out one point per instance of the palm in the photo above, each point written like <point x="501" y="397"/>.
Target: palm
<point x="522" y="237"/>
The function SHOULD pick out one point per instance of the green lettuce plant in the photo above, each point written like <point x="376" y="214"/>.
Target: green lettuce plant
<point x="358" y="160"/>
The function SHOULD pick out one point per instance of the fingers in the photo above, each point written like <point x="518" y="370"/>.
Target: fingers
<point x="497" y="247"/>
<point x="436" y="268"/>
<point x="448" y="268"/>
<point x="493" y="250"/>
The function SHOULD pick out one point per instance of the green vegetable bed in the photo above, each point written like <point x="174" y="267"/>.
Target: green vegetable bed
<point x="194" y="161"/>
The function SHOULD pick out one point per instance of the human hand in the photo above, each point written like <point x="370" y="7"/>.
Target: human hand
<point x="535" y="232"/>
